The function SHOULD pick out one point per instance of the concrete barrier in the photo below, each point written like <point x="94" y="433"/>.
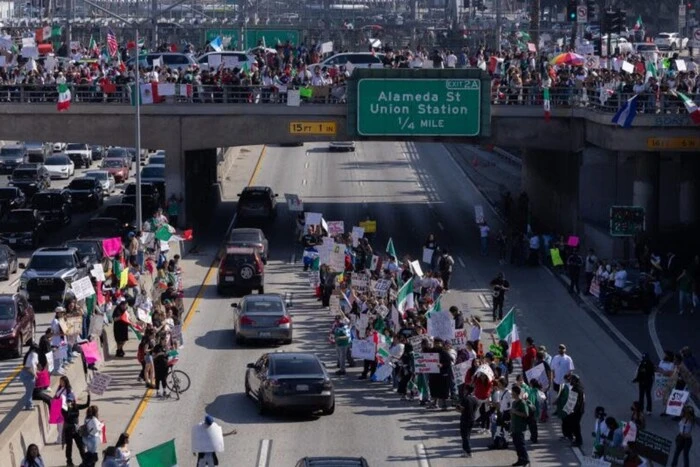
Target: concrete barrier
<point x="20" y="428"/>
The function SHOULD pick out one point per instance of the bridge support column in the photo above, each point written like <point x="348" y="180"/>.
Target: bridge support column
<point x="688" y="193"/>
<point x="645" y="188"/>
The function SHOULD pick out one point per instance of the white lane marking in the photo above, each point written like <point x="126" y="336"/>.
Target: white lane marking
<point x="421" y="455"/>
<point x="14" y="282"/>
<point x="439" y="224"/>
<point x="461" y="263"/>
<point x="306" y="166"/>
<point x="293" y="259"/>
<point x="303" y="182"/>
<point x="483" y="301"/>
<point x="264" y="452"/>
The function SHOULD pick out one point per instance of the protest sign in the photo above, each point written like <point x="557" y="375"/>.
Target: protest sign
<point x="591" y="462"/>
<point x="459" y="372"/>
<point x="336" y="228"/>
<point x="97" y="322"/>
<point x="74" y="325"/>
<point x="369" y="226"/>
<point x="55" y="414"/>
<point x="660" y="390"/>
<point x="207" y="438"/>
<point x="486" y="370"/>
<point x="441" y="325"/>
<point x="676" y="401"/>
<point x="314" y="278"/>
<point x="416" y="342"/>
<point x="143" y="316"/>
<point x="98" y="272"/>
<point x="176" y="333"/>
<point x="337" y="259"/>
<point x="381" y="287"/>
<point x="571" y="402"/>
<point x="82" y="288"/>
<point x="428" y="255"/>
<point x="294" y="204"/>
<point x="652" y="446"/>
<point x="538" y="373"/>
<point x="459" y="341"/>
<point x="334" y="305"/>
<point x="91" y="352"/>
<point x="327" y="47"/>
<point x="99" y="383"/>
<point x="49" y="361"/>
<point x="363" y="349"/>
<point x="415" y="266"/>
<point x="312" y="218"/>
<point x="426" y="362"/>
<point x="375" y="263"/>
<point x="360" y="281"/>
<point x="382" y="311"/>
<point x="111" y="246"/>
<point x="614" y="456"/>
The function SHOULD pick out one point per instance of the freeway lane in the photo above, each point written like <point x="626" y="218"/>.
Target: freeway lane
<point x="395" y="184"/>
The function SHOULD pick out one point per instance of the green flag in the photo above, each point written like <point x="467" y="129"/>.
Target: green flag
<point x="163" y="455"/>
<point x="651" y="70"/>
<point x="390" y="249"/>
<point x="56" y="31"/>
<point x="116" y="267"/>
<point x="436" y="307"/>
<point x="163" y="233"/>
<point x="404" y="299"/>
<point x="138" y="335"/>
<point x="306" y="92"/>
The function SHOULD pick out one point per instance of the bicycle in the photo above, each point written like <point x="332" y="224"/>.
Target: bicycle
<point x="177" y="381"/>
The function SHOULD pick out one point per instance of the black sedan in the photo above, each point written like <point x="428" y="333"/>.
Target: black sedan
<point x="86" y="191"/>
<point x="8" y="262"/>
<point x="11" y="198"/>
<point x="22" y="227"/>
<point x="290" y="380"/>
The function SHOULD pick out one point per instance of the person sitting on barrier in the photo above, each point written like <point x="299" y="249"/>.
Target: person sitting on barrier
<point x="32" y="458"/>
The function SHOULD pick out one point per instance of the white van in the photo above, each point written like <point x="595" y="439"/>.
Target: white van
<point x="358" y="59"/>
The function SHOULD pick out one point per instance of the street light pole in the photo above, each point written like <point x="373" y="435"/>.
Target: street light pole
<point x="139" y="205"/>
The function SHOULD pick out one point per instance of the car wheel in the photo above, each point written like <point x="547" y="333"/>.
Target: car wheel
<point x="262" y="406"/>
<point x="329" y="410"/>
<point x="246" y="273"/>
<point x="19" y="348"/>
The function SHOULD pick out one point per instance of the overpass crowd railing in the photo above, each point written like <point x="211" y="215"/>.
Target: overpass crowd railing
<point x="570" y="97"/>
<point x="203" y="94"/>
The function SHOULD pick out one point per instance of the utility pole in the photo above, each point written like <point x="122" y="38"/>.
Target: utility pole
<point x="498" y="26"/>
<point x="154" y="24"/>
<point x="69" y="23"/>
<point x="535" y="22"/>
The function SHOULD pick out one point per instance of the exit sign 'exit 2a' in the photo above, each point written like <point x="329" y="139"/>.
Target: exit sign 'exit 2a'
<point x="418" y="107"/>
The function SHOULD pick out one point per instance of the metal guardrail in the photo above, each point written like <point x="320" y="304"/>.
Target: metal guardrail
<point x="564" y="98"/>
<point x="197" y="94"/>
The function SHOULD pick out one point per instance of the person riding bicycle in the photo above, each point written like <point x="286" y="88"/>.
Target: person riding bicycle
<point x="207" y="440"/>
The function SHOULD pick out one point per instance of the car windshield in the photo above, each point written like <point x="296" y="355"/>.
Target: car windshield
<point x="11" y="152"/>
<point x="113" y="163"/>
<point x="7" y="311"/>
<point x="264" y="306"/>
<point x="245" y="237"/>
<point x="51" y="262"/>
<point x="19" y="217"/>
<point x="146" y="189"/>
<point x="117" y="152"/>
<point x="47" y="200"/>
<point x="57" y="160"/>
<point x="97" y="175"/>
<point x="152" y="172"/>
<point x="85" y="248"/>
<point x="7" y="193"/>
<point x="24" y="174"/>
<point x="295" y="366"/>
<point x="157" y="160"/>
<point x="81" y="184"/>
<point x="254" y="195"/>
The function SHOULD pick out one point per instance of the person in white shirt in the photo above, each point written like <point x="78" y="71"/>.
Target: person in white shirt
<point x="450" y="60"/>
<point x="620" y="277"/>
<point x="484" y="234"/>
<point x="590" y="268"/>
<point x="93" y="439"/>
<point x="28" y="374"/>
<point x="474" y="332"/>
<point x="58" y="340"/>
<point x="562" y="365"/>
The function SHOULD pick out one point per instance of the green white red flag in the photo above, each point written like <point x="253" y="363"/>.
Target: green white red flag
<point x="63" y="97"/>
<point x="508" y="331"/>
<point x="691" y="107"/>
<point x="546" y="104"/>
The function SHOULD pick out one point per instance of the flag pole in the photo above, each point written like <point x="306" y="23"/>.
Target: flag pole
<point x="139" y="206"/>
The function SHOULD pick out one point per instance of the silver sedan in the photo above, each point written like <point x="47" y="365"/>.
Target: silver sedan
<point x="262" y="317"/>
<point x="106" y="179"/>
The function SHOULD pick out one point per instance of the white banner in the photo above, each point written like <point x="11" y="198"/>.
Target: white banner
<point x="415" y="266"/>
<point x="206" y="438"/>
<point x="459" y="371"/>
<point x="363" y="349"/>
<point x="441" y="325"/>
<point x="571" y="402"/>
<point x="99" y="383"/>
<point x="538" y="373"/>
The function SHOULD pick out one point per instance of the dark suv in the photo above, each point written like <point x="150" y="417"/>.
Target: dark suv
<point x="87" y="192"/>
<point x="56" y="206"/>
<point x="150" y="197"/>
<point x="48" y="276"/>
<point x="11" y="155"/>
<point x="17" y="323"/>
<point x="22" y="227"/>
<point x="31" y="178"/>
<point x="240" y="270"/>
<point x="88" y="248"/>
<point x="11" y="198"/>
<point x="257" y="201"/>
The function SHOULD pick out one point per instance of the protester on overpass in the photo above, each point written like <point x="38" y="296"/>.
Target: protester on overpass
<point x="123" y="453"/>
<point x="32" y="458"/>
<point x="27" y="374"/>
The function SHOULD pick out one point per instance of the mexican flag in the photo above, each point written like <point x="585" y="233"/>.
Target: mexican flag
<point x="147" y="94"/>
<point x="691" y="107"/>
<point x="508" y="331"/>
<point x="390" y="249"/>
<point x="92" y="47"/>
<point x="42" y="34"/>
<point x="436" y="307"/>
<point x="546" y="104"/>
<point x="163" y="455"/>
<point x="638" y="25"/>
<point x="63" y="97"/>
<point x="404" y="299"/>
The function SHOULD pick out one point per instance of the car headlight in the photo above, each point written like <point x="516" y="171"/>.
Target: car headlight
<point x="4" y="265"/>
<point x="7" y="332"/>
<point x="32" y="184"/>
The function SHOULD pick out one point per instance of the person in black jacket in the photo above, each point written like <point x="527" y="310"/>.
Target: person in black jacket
<point x="645" y="381"/>
<point x="467" y="406"/>
<point x="71" y="420"/>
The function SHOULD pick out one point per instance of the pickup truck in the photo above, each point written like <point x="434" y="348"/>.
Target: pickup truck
<point x="80" y="154"/>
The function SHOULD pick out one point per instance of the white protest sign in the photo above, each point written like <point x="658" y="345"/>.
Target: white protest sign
<point x="383" y="372"/>
<point x="361" y="324"/>
<point x="30" y="52"/>
<point x="676" y="401"/>
<point x="680" y="64"/>
<point x="357" y="234"/>
<point x="337" y="260"/>
<point x="327" y="47"/>
<point x="231" y="61"/>
<point x="207" y="438"/>
<point x="441" y="325"/>
<point x="336" y="228"/>
<point x="459" y="372"/>
<point x="459" y="341"/>
<point x="426" y="362"/>
<point x="100" y="383"/>
<point x="97" y="322"/>
<point x="314" y="278"/>
<point x="49" y="362"/>
<point x="660" y="390"/>
<point x="313" y="218"/>
<point x="324" y="251"/>
<point x="143" y="316"/>
<point x="98" y="272"/>
<point x="479" y="214"/>
<point x="82" y="288"/>
<point x="627" y="67"/>
<point x="293" y="98"/>
<point x="486" y="370"/>
<point x="570" y="402"/>
<point x="363" y="349"/>
<point x="360" y="281"/>
<point x="381" y="287"/>
<point x="28" y="42"/>
<point x="415" y="266"/>
<point x="538" y="373"/>
<point x="294" y="204"/>
<point x="416" y="342"/>
<point x="382" y="311"/>
<point x="428" y="255"/>
<point x="3" y="61"/>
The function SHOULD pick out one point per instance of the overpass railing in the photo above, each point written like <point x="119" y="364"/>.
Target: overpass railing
<point x="604" y="101"/>
<point x="178" y="94"/>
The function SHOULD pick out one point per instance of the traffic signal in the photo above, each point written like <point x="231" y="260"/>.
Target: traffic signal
<point x="571" y="12"/>
<point x="609" y="18"/>
<point x="622" y="20"/>
<point x="591" y="6"/>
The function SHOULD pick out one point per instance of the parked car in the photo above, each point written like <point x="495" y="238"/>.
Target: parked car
<point x="106" y="179"/>
<point x="262" y="317"/>
<point x="670" y="41"/>
<point x="246" y="237"/>
<point x="37" y="152"/>
<point x="241" y="269"/>
<point x="358" y="60"/>
<point x="11" y="198"/>
<point x="17" y="324"/>
<point x="80" y="154"/>
<point x="86" y="192"/>
<point x="60" y="166"/>
<point x="8" y="262"/>
<point x="47" y="277"/>
<point x="11" y="155"/>
<point x="31" y="179"/>
<point x="59" y="147"/>
<point x="257" y="201"/>
<point x="54" y="205"/>
<point x="98" y="152"/>
<point x="117" y="167"/>
<point x="290" y="380"/>
<point x="22" y="227"/>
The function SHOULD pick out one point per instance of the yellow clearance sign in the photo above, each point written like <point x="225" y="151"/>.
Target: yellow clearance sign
<point x="312" y="128"/>
<point x="673" y="143"/>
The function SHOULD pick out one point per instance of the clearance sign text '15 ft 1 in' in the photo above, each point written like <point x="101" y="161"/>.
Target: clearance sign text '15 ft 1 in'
<point x="418" y="107"/>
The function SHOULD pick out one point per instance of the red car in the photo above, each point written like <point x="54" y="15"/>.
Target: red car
<point x="117" y="167"/>
<point x="17" y="325"/>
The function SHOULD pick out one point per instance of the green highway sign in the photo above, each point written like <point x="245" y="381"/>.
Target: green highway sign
<point x="270" y="37"/>
<point x="418" y="107"/>
<point x="234" y="34"/>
